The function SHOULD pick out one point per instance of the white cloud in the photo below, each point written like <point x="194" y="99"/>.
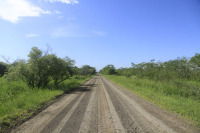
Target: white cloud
<point x="64" y="1"/>
<point x="32" y="35"/>
<point x="11" y="10"/>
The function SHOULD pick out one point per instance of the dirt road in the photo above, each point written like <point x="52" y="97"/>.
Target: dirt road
<point x="101" y="106"/>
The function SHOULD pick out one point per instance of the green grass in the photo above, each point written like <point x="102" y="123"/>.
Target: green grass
<point x="180" y="97"/>
<point x="18" y="102"/>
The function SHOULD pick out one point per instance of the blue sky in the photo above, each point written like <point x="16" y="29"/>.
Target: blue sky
<point x="101" y="32"/>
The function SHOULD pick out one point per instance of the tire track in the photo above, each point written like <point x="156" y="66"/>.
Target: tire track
<point x="140" y="121"/>
<point x="56" y="121"/>
<point x="104" y="115"/>
<point x="116" y="122"/>
<point x="73" y="125"/>
<point x="66" y="118"/>
<point x="90" y="120"/>
<point x="126" y="120"/>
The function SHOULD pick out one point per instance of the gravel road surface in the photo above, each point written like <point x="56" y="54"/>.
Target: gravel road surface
<point x="101" y="106"/>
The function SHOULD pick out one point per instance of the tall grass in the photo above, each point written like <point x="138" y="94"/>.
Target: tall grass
<point x="18" y="102"/>
<point x="180" y="97"/>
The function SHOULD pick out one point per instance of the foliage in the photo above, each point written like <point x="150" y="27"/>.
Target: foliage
<point x="178" y="69"/>
<point x="124" y="71"/>
<point x="75" y="70"/>
<point x="41" y="69"/>
<point x="196" y="61"/>
<point x="109" y="69"/>
<point x="3" y="68"/>
<point x="87" y="70"/>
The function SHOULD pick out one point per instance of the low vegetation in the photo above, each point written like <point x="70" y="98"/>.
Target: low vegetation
<point x="173" y="85"/>
<point x="29" y="85"/>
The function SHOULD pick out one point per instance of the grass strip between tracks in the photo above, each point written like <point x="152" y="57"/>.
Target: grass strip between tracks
<point x="156" y="92"/>
<point x="18" y="102"/>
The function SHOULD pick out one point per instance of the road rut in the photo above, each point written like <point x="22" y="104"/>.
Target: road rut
<point x="101" y="106"/>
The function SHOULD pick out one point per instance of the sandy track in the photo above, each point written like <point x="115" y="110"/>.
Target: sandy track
<point x="101" y="106"/>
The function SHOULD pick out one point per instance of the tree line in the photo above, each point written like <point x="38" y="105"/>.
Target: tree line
<point x="43" y="68"/>
<point x="178" y="69"/>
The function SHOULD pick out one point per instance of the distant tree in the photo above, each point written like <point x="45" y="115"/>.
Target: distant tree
<point x="195" y="66"/>
<point x="3" y="68"/>
<point x="124" y="72"/>
<point x="75" y="70"/>
<point x="109" y="69"/>
<point x="70" y="65"/>
<point x="87" y="70"/>
<point x="177" y="69"/>
<point x="195" y="60"/>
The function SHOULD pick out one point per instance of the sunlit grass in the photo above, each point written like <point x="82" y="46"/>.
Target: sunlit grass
<point x="183" y="99"/>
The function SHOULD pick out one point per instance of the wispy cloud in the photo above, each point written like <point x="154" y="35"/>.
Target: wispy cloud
<point x="68" y="31"/>
<point x="65" y="1"/>
<point x="60" y="17"/>
<point x="12" y="10"/>
<point x="71" y="19"/>
<point x="32" y="35"/>
<point x="99" y="33"/>
<point x="75" y="31"/>
<point x="57" y="12"/>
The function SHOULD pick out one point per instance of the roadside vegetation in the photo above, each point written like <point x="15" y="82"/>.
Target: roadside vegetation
<point x="173" y="85"/>
<point x="26" y="86"/>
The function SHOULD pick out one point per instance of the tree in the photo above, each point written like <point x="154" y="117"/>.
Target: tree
<point x="87" y="70"/>
<point x="41" y="69"/>
<point x="195" y="60"/>
<point x="195" y="66"/>
<point x="60" y="69"/>
<point x="75" y="70"/>
<point x="109" y="69"/>
<point x="124" y="72"/>
<point x="3" y="68"/>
